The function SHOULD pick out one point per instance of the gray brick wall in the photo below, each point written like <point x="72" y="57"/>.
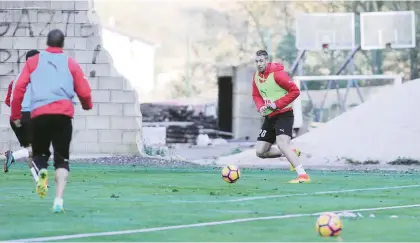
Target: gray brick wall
<point x="113" y="124"/>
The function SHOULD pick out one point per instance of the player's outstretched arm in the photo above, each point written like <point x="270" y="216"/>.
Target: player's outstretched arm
<point x="81" y="85"/>
<point x="9" y="94"/>
<point x="19" y="92"/>
<point x="284" y="81"/>
<point x="256" y="96"/>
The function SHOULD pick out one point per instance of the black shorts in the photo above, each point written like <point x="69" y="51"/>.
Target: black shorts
<point x="56" y="130"/>
<point x="277" y="125"/>
<point x="23" y="133"/>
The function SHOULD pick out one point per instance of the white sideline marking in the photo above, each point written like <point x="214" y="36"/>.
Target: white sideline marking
<point x="300" y="194"/>
<point x="184" y="226"/>
<point x="233" y="211"/>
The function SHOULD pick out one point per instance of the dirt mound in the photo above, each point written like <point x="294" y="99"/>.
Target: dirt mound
<point x="386" y="128"/>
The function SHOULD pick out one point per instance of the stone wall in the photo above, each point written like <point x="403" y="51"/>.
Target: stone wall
<point x="114" y="124"/>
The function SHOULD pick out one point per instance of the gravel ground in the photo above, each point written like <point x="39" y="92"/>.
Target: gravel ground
<point x="208" y="157"/>
<point x="140" y="161"/>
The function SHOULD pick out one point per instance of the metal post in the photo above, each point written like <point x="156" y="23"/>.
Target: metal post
<point x="298" y="65"/>
<point x="340" y="70"/>
<point x="358" y="91"/>
<point x="295" y="65"/>
<point x="301" y="73"/>
<point x="349" y="83"/>
<point x="349" y="60"/>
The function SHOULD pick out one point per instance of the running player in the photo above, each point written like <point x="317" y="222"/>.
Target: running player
<point x="55" y="79"/>
<point x="23" y="132"/>
<point x="273" y="92"/>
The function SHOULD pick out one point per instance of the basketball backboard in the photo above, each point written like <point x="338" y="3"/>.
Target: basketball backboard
<point x="380" y="30"/>
<point x="315" y="31"/>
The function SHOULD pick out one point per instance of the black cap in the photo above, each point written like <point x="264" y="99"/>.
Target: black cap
<point x="55" y="38"/>
<point x="31" y="53"/>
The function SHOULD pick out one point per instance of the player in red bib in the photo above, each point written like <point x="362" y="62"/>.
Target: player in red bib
<point x="273" y="92"/>
<point x="55" y="79"/>
<point x="23" y="132"/>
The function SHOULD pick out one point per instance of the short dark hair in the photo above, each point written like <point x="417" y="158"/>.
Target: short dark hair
<point x="31" y="53"/>
<point x="262" y="53"/>
<point x="55" y="38"/>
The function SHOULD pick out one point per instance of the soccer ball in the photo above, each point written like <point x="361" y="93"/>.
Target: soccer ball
<point x="329" y="224"/>
<point x="231" y="173"/>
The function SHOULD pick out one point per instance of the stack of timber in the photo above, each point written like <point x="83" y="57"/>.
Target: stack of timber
<point x="183" y="122"/>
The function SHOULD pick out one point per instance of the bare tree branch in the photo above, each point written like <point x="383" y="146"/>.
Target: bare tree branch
<point x="257" y="23"/>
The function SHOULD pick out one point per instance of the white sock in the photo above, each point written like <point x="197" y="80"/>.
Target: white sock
<point x="23" y="153"/>
<point x="58" y="201"/>
<point x="34" y="174"/>
<point x="300" y="170"/>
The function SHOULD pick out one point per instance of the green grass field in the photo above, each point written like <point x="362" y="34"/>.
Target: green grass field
<point x="103" y="198"/>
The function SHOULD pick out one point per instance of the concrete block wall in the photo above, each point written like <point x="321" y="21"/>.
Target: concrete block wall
<point x="114" y="124"/>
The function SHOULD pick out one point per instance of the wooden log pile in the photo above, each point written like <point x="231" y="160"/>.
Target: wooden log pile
<point x="183" y="123"/>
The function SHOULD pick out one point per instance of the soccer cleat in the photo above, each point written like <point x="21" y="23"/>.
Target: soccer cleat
<point x="58" y="208"/>
<point x="298" y="153"/>
<point x="9" y="161"/>
<point x="42" y="184"/>
<point x="301" y="179"/>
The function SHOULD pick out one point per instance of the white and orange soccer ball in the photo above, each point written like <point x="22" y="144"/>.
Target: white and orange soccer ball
<point x="329" y="225"/>
<point x="231" y="173"/>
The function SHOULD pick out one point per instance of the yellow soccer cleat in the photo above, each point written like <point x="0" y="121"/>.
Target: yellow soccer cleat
<point x="298" y="153"/>
<point x="42" y="184"/>
<point x="301" y="179"/>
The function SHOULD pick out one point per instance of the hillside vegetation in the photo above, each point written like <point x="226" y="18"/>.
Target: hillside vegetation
<point x="195" y="37"/>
